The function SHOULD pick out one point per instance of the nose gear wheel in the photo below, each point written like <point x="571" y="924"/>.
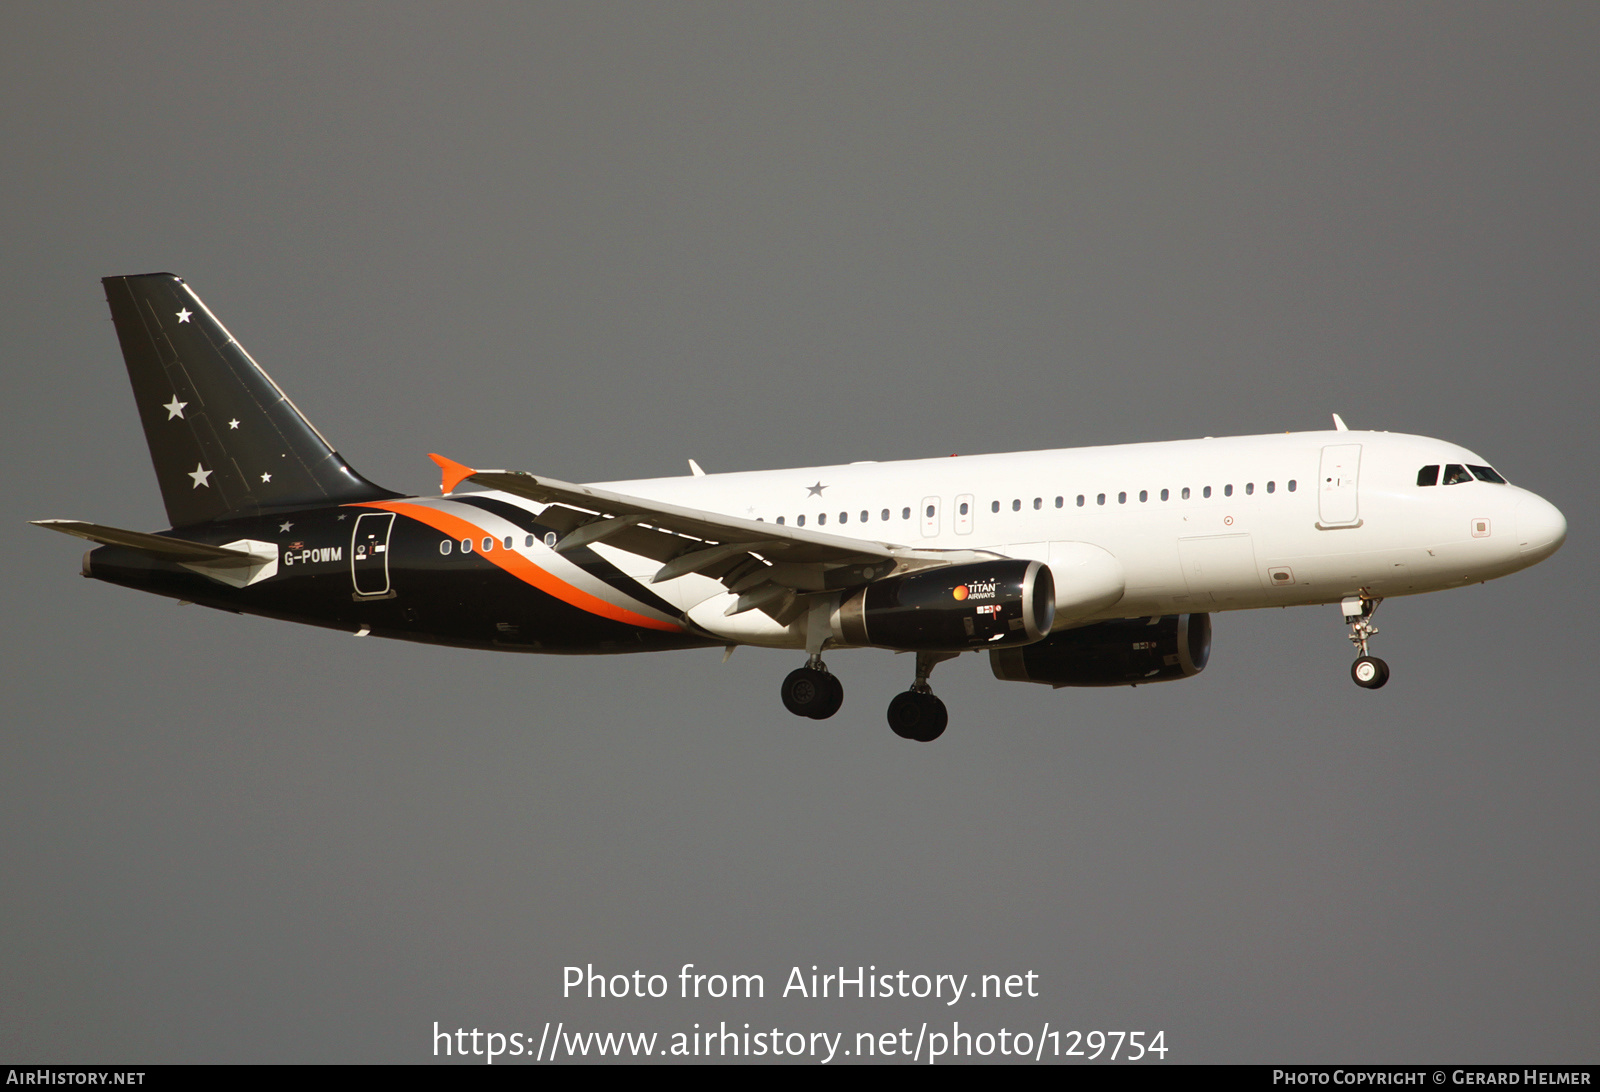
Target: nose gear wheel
<point x="1369" y="672"/>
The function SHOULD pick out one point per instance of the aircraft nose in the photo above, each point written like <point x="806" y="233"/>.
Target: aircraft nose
<point x="1541" y="528"/>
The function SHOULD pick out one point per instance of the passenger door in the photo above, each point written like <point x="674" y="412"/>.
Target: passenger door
<point x="1336" y="486"/>
<point x="369" y="554"/>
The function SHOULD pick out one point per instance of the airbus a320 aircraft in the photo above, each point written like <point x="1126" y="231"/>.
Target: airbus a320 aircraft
<point x="1079" y="567"/>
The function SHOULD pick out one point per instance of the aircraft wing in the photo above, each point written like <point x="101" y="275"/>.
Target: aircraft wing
<point x="763" y="563"/>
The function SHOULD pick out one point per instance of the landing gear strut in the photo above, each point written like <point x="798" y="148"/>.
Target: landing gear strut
<point x="1368" y="672"/>
<point x="916" y="713"/>
<point x="811" y="691"/>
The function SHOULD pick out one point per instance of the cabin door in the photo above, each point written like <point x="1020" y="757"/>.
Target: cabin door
<point x="369" y="553"/>
<point x="1336" y="486"/>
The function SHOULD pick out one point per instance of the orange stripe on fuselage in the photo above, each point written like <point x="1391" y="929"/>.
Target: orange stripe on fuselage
<point x="520" y="567"/>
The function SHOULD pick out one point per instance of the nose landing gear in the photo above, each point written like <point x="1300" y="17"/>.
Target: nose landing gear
<point x="916" y="713"/>
<point x="1369" y="672"/>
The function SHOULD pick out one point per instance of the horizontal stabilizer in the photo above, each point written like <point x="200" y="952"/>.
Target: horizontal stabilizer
<point x="172" y="549"/>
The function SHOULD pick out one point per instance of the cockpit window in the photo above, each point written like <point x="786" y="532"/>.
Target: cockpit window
<point x="1486" y="474"/>
<point x="1455" y="474"/>
<point x="1428" y="475"/>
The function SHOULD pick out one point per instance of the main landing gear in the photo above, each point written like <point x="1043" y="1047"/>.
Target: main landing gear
<point x="917" y="714"/>
<point x="811" y="691"/>
<point x="1368" y="672"/>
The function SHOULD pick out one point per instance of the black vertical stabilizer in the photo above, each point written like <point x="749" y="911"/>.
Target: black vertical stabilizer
<point x="225" y="440"/>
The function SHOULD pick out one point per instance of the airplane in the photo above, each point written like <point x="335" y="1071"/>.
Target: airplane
<point x="1094" y="566"/>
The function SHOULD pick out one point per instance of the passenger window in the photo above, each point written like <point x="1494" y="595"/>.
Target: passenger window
<point x="822" y="519"/>
<point x="1428" y="475"/>
<point x="885" y="516"/>
<point x="963" y="508"/>
<point x="1249" y="488"/>
<point x="488" y="544"/>
<point x="1080" y="500"/>
<point x="1038" y="503"/>
<point x="995" y="507"/>
<point x="1186" y="492"/>
<point x="905" y="513"/>
<point x="466" y="545"/>
<point x="1272" y="487"/>
<point x="780" y="521"/>
<point x="1206" y="492"/>
<point x="929" y="512"/>
<point x="528" y="542"/>
<point x="446" y="546"/>
<point x="508" y="542"/>
<point x="844" y="517"/>
<point x="1164" y="494"/>
<point x="799" y="521"/>
<point x="1060" y="501"/>
<point x="1455" y="474"/>
<point x="1122" y="498"/>
<point x="1227" y="490"/>
<point x="1144" y="495"/>
<point x="1486" y="474"/>
<point x="1016" y="506"/>
<point x="1100" y="499"/>
<point x="1291" y="485"/>
<point x="865" y="515"/>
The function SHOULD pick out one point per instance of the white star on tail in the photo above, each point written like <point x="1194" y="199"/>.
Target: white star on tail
<point x="174" y="408"/>
<point x="283" y="528"/>
<point x="266" y="477"/>
<point x="233" y="423"/>
<point x="183" y="316"/>
<point x="200" y="474"/>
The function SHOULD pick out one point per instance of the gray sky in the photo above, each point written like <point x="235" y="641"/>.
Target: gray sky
<point x="592" y="241"/>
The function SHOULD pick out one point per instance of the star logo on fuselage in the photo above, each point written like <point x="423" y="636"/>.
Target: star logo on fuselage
<point x="815" y="490"/>
<point x="183" y="316"/>
<point x="233" y="423"/>
<point x="200" y="474"/>
<point x="174" y="408"/>
<point x="283" y="528"/>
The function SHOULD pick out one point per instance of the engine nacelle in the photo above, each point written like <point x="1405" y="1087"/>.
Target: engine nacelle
<point x="1125" y="652"/>
<point x="983" y="604"/>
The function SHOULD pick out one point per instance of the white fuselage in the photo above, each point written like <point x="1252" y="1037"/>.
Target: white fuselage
<point x="1195" y="525"/>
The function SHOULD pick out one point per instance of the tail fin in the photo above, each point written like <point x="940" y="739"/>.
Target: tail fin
<point x="225" y="440"/>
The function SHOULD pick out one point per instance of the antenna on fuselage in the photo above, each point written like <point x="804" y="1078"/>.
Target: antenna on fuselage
<point x="1338" y="423"/>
